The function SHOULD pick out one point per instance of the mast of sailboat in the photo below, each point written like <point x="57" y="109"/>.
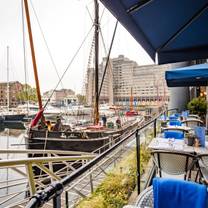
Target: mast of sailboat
<point x="96" y="25"/>
<point x="8" y="102"/>
<point x="131" y="100"/>
<point x="33" y="54"/>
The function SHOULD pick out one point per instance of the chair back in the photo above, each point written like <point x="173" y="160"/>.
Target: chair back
<point x="193" y="116"/>
<point x="193" y="122"/>
<point x="204" y="160"/>
<point x="203" y="168"/>
<point x="173" y="163"/>
<point x="173" y="134"/>
<point x="179" y="194"/>
<point x="145" y="198"/>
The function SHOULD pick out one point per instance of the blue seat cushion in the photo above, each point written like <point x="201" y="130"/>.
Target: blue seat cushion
<point x="175" y="123"/>
<point x="173" y="117"/>
<point x="174" y="193"/>
<point x="173" y="134"/>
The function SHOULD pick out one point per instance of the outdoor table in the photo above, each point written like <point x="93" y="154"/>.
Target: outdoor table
<point x="172" y="144"/>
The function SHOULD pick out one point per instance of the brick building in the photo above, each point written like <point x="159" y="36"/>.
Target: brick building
<point x="14" y="88"/>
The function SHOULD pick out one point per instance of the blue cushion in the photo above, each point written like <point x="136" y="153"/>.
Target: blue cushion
<point x="173" y="193"/>
<point x="173" y="117"/>
<point x="174" y="134"/>
<point x="177" y="115"/>
<point x="175" y="123"/>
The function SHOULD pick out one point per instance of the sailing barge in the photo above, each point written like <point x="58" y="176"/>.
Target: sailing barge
<point x="84" y="141"/>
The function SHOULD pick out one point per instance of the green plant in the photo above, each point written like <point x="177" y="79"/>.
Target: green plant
<point x="198" y="106"/>
<point x="116" y="188"/>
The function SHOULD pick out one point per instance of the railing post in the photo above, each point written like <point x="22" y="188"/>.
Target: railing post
<point x="138" y="160"/>
<point x="155" y="127"/>
<point x="57" y="201"/>
<point x="67" y="199"/>
<point x="91" y="183"/>
<point x="31" y="178"/>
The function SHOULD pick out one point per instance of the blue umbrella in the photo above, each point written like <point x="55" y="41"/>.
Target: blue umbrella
<point x="196" y="75"/>
<point x="169" y="30"/>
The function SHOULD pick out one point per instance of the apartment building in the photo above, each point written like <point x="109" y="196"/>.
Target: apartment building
<point x="106" y="94"/>
<point x="10" y="90"/>
<point x="147" y="83"/>
<point x="59" y="97"/>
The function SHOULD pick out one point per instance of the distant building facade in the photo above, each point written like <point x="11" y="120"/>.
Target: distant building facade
<point x="59" y="97"/>
<point x="147" y="82"/>
<point x="106" y="95"/>
<point x="14" y="88"/>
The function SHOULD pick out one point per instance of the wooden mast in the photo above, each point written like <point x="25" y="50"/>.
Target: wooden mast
<point x="8" y="100"/>
<point x="131" y="100"/>
<point x="33" y="54"/>
<point x="96" y="24"/>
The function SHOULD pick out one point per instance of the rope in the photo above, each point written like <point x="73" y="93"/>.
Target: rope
<point x="46" y="44"/>
<point x="68" y="66"/>
<point x="50" y="55"/>
<point x="24" y="51"/>
<point x="106" y="65"/>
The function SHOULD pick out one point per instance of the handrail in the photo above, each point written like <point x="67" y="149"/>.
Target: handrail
<point x="14" y="162"/>
<point x="41" y="151"/>
<point x="56" y="188"/>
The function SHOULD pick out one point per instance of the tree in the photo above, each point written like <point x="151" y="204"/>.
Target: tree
<point x="27" y="93"/>
<point x="81" y="99"/>
<point x="198" y="106"/>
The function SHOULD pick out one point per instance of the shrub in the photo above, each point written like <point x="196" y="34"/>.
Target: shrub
<point x="116" y="188"/>
<point x="198" y="106"/>
<point x="95" y="201"/>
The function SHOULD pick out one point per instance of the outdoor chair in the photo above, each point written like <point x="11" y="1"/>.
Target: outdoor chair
<point x="193" y="116"/>
<point x="173" y="163"/>
<point x="145" y="198"/>
<point x="173" y="134"/>
<point x="173" y="128"/>
<point x="176" y="193"/>
<point x="193" y="122"/>
<point x="203" y="168"/>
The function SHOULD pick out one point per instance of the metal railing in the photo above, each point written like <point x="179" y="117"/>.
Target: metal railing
<point x="33" y="174"/>
<point x="54" y="191"/>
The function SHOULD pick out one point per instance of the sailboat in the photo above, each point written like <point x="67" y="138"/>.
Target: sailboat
<point x="86" y="139"/>
<point x="10" y="118"/>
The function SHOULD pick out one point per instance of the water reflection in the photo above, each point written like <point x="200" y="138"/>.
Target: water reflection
<point x="11" y="139"/>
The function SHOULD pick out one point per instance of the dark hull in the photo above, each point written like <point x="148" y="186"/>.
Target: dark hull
<point x="15" y="117"/>
<point x="73" y="141"/>
<point x="13" y="125"/>
<point x="83" y="145"/>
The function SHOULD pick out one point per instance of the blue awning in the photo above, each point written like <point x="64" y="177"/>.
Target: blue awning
<point x="196" y="75"/>
<point x="169" y="30"/>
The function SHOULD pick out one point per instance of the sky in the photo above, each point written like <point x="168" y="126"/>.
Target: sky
<point x="64" y="25"/>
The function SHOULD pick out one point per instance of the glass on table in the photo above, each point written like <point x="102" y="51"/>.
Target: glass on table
<point x="171" y="141"/>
